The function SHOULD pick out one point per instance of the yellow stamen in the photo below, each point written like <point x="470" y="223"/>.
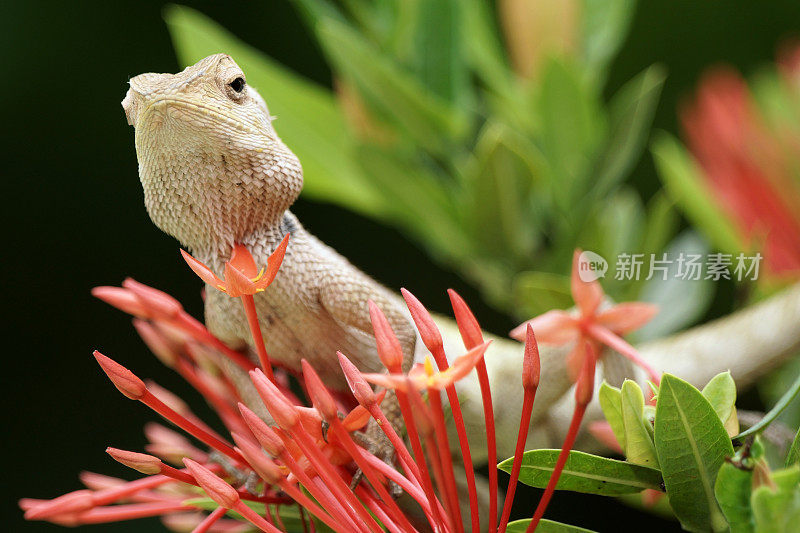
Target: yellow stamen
<point x="428" y="366"/>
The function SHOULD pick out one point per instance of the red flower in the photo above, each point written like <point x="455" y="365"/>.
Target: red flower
<point x="294" y="460"/>
<point x="589" y="323"/>
<point x="241" y="275"/>
<point x="749" y="166"/>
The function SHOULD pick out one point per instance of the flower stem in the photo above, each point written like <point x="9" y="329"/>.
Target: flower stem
<point x="522" y="436"/>
<point x="491" y="438"/>
<point x="210" y="520"/>
<point x="249" y="304"/>
<point x="190" y="427"/>
<point x="358" y="454"/>
<point x="445" y="458"/>
<point x="422" y="473"/>
<point x="577" y="416"/>
<point x="466" y="454"/>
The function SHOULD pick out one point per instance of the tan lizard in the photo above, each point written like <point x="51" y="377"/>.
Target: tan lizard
<point x="214" y="172"/>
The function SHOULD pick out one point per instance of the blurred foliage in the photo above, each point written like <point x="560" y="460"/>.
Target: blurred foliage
<point x="738" y="178"/>
<point x="498" y="157"/>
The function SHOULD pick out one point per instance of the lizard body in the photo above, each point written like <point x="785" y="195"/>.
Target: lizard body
<point x="215" y="173"/>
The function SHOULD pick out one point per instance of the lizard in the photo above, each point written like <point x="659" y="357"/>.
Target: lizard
<point x="214" y="173"/>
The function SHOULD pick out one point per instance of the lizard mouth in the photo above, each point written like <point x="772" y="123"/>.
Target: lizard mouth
<point x="171" y="107"/>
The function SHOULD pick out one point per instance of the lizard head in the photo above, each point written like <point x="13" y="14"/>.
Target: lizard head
<point x="212" y="167"/>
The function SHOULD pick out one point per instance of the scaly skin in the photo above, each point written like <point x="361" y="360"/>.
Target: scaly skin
<point x="214" y="172"/>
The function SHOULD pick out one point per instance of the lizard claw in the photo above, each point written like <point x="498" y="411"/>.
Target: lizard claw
<point x="378" y="444"/>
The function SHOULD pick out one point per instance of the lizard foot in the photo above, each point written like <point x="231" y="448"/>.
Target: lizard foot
<point x="377" y="443"/>
<point x="247" y="479"/>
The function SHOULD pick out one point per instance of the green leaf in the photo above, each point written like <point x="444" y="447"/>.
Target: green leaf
<point x="721" y="394"/>
<point x="418" y="201"/>
<point x="499" y="187"/>
<point x="538" y="292"/>
<point x="289" y="514"/>
<point x="776" y="410"/>
<point x="691" y="445"/>
<point x="392" y="91"/>
<point x="308" y="119"/>
<point x="733" y="489"/>
<point x="438" y="59"/>
<point x="544" y="526"/>
<point x="585" y="473"/>
<point x="681" y="302"/>
<point x="572" y="124"/>
<point x="794" y="450"/>
<point x="630" y="117"/>
<point x="662" y="221"/>
<point x="611" y="404"/>
<point x="605" y="25"/>
<point x="683" y="181"/>
<point x="778" y="511"/>
<point x="639" y="447"/>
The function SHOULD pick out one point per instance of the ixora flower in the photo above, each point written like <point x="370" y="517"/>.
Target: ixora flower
<point x="590" y="324"/>
<point x="300" y="466"/>
<point x="749" y="159"/>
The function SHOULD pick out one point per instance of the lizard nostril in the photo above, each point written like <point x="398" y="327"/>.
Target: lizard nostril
<point x="129" y="105"/>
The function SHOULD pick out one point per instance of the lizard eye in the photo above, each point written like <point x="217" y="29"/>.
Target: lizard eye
<point x="237" y="85"/>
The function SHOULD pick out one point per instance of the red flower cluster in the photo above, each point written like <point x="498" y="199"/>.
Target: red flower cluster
<point x="262" y="469"/>
<point x="750" y="165"/>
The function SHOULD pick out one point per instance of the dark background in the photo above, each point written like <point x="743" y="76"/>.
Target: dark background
<point x="74" y="216"/>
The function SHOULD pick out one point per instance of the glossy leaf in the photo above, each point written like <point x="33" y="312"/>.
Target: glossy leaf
<point x="545" y="526"/>
<point x="692" y="445"/>
<point x="611" y="403"/>
<point x="585" y="473"/>
<point x="308" y="119"/>
<point x="639" y="447"/>
<point x="733" y="489"/>
<point x="721" y="394"/>
<point x="778" y="510"/>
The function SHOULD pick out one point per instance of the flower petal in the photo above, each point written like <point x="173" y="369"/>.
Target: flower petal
<point x="242" y="260"/>
<point x="387" y="381"/>
<point x="202" y="270"/>
<point x="588" y="295"/>
<point x="236" y="283"/>
<point x="274" y="263"/>
<point x="553" y="327"/>
<point x="626" y="317"/>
